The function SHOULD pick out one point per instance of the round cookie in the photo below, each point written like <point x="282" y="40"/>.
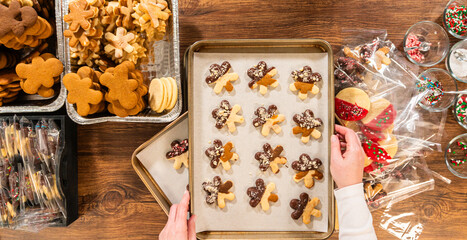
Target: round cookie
<point x="168" y="89"/>
<point x="390" y="144"/>
<point x="374" y="135"/>
<point x="376" y="156"/>
<point x="380" y="116"/>
<point x="156" y="94"/>
<point x="174" y="94"/>
<point x="352" y="104"/>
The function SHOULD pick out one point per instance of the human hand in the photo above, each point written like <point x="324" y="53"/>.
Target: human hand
<point x="177" y="227"/>
<point x="347" y="167"/>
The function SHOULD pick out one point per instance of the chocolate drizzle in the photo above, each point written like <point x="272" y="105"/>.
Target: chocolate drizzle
<point x="217" y="71"/>
<point x="267" y="156"/>
<point x="306" y="75"/>
<point x="299" y="205"/>
<point x="215" y="187"/>
<point x="257" y="72"/>
<point x="305" y="163"/>
<point x="256" y="193"/>
<point x="178" y="148"/>
<point x="222" y="113"/>
<point x="215" y="152"/>
<point x="306" y="120"/>
<point x="263" y="115"/>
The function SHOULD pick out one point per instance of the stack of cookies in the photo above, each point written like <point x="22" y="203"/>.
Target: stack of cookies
<point x="152" y="17"/>
<point x="85" y="91"/>
<point x="30" y="30"/>
<point x="24" y="26"/>
<point x="9" y="86"/>
<point x="84" y="31"/>
<point x="39" y="76"/>
<point x="122" y="87"/>
<point x="126" y="89"/>
<point x="119" y="31"/>
<point x="7" y="59"/>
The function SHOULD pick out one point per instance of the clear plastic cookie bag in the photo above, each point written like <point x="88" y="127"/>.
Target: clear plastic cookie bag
<point x="4" y="201"/>
<point x="56" y="145"/>
<point x="41" y="145"/>
<point x="405" y="178"/>
<point x="30" y="158"/>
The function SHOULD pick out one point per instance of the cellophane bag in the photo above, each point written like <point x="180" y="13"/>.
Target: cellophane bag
<point x="376" y="96"/>
<point x="30" y="196"/>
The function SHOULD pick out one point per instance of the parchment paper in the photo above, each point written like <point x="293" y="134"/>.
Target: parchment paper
<point x="172" y="182"/>
<point x="238" y="215"/>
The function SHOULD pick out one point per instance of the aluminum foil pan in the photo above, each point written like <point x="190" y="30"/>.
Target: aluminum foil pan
<point x="36" y="103"/>
<point x="165" y="63"/>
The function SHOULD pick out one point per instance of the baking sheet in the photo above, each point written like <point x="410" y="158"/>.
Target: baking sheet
<point x="238" y="215"/>
<point x="172" y="182"/>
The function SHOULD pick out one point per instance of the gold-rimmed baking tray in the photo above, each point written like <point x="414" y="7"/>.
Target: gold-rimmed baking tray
<point x="276" y="46"/>
<point x="163" y="191"/>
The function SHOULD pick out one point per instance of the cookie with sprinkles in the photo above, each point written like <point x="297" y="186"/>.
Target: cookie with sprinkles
<point x="352" y="104"/>
<point x="377" y="156"/>
<point x="380" y="116"/>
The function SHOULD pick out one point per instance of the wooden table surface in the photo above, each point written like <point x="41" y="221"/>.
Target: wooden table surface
<point x="114" y="203"/>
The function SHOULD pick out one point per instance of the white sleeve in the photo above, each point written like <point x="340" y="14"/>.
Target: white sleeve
<point x="355" y="221"/>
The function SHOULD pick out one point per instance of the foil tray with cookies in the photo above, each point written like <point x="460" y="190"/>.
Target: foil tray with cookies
<point x="260" y="119"/>
<point x="378" y="97"/>
<point x="30" y="64"/>
<point x="162" y="163"/>
<point x="121" y="60"/>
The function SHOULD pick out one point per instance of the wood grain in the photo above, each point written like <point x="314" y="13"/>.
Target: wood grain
<point x="114" y="203"/>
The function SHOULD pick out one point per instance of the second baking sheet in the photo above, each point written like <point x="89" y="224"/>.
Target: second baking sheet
<point x="238" y="215"/>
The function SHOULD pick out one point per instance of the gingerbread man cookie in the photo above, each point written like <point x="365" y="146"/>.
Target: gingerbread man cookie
<point x="307" y="125"/>
<point x="262" y="76"/>
<point x="262" y="194"/>
<point x="221" y="154"/>
<point x="220" y="77"/>
<point x="307" y="170"/>
<point x="179" y="153"/>
<point x="121" y="88"/>
<point x="40" y="73"/>
<point x="270" y="158"/>
<point x="80" y="15"/>
<point x="352" y="104"/>
<point x="268" y="119"/>
<point x="226" y="115"/>
<point x="216" y="191"/>
<point x="305" y="81"/>
<point x="16" y="19"/>
<point x="305" y="207"/>
<point x="373" y="192"/>
<point x="83" y="93"/>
